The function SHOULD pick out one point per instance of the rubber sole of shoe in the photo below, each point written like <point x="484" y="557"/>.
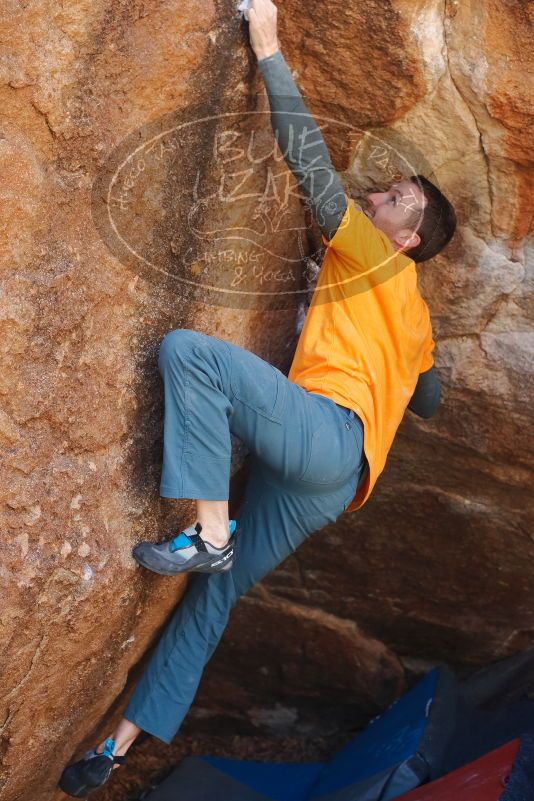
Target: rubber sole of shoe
<point x="184" y="569"/>
<point x="83" y="792"/>
<point x="71" y="785"/>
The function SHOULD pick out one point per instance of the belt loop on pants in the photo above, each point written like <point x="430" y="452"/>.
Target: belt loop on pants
<point x="348" y="412"/>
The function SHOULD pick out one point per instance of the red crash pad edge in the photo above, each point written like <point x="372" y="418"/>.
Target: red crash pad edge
<point x="481" y="780"/>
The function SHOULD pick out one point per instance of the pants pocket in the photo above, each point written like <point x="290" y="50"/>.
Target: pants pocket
<point x="332" y="451"/>
<point x="258" y="385"/>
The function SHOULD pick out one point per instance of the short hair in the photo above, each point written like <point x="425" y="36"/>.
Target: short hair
<point x="438" y="222"/>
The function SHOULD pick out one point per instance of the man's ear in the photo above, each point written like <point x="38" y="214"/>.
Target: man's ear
<point x="407" y="239"/>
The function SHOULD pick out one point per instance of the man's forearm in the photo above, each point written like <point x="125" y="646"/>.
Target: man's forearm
<point x="302" y="145"/>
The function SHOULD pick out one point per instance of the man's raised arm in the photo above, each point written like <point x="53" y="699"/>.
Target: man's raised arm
<point x="296" y="131"/>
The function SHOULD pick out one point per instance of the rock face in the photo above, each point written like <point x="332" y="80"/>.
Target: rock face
<point x="124" y="146"/>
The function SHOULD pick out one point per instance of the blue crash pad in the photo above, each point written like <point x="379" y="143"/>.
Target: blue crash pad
<point x="391" y="756"/>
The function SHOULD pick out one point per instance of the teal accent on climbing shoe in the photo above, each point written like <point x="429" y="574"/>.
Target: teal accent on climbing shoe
<point x="232" y="526"/>
<point x="109" y="747"/>
<point x="180" y="541"/>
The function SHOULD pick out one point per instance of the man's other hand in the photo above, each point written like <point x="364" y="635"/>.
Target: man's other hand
<point x="261" y="17"/>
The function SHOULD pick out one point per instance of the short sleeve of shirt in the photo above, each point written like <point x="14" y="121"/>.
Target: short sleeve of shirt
<point x="428" y="347"/>
<point x="358" y="242"/>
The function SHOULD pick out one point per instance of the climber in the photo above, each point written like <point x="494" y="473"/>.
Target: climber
<point x="318" y="439"/>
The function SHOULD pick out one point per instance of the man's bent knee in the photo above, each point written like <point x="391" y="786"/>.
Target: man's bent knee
<point x="178" y="341"/>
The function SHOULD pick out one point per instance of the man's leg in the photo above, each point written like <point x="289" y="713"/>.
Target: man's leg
<point x="211" y="388"/>
<point x="193" y="389"/>
<point x="307" y="459"/>
<point x="201" y="376"/>
<point x="273" y="522"/>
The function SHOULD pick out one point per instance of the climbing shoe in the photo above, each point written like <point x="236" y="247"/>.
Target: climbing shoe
<point x="186" y="552"/>
<point x="91" y="772"/>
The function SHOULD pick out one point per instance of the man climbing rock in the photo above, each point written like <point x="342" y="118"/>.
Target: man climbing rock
<point x="318" y="439"/>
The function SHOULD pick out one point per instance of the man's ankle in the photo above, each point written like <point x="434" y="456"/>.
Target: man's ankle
<point x="217" y="535"/>
<point x="119" y="749"/>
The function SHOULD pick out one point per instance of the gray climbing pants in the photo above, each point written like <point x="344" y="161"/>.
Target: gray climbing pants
<point x="307" y="461"/>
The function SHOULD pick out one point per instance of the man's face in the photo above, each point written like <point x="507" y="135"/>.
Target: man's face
<point x="394" y="211"/>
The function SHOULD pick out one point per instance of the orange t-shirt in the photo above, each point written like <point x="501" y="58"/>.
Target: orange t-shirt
<point x="367" y="335"/>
